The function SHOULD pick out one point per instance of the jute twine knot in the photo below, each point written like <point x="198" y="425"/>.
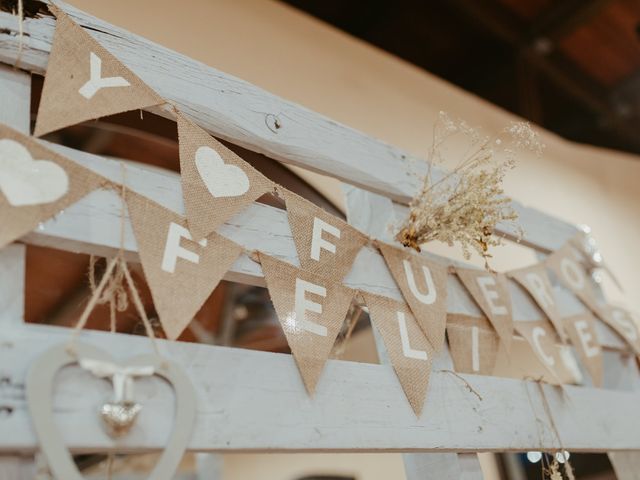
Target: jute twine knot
<point x="111" y="288"/>
<point x="114" y="292"/>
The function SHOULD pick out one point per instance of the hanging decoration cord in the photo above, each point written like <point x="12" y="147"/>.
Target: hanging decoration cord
<point x="114" y="293"/>
<point x="91" y="304"/>
<point x="20" y="33"/>
<point x="93" y="301"/>
<point x="550" y="467"/>
<point x="111" y="290"/>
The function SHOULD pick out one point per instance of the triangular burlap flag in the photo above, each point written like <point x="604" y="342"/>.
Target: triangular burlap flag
<point x="326" y="245"/>
<point x="216" y="183"/>
<point x="626" y="464"/>
<point x="84" y="81"/>
<point x="542" y="337"/>
<point x="567" y="264"/>
<point x="181" y="273"/>
<point x="36" y="184"/>
<point x="582" y="333"/>
<point x="624" y="324"/>
<point x="311" y="310"/>
<point x="410" y="352"/>
<point x="491" y="292"/>
<point x="423" y="284"/>
<point x="535" y="281"/>
<point x="473" y="344"/>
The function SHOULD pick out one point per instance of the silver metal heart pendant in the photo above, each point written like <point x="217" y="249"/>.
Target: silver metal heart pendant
<point x="118" y="416"/>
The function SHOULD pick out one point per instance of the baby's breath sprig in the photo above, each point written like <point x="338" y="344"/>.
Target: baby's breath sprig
<point x="465" y="205"/>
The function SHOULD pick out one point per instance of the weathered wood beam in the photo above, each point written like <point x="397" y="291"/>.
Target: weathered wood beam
<point x="237" y="111"/>
<point x="249" y="400"/>
<point x="15" y="100"/>
<point x="561" y="18"/>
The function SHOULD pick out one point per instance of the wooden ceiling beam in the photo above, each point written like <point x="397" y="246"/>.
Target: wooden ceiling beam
<point x="555" y="66"/>
<point x="563" y="17"/>
<point x="625" y="96"/>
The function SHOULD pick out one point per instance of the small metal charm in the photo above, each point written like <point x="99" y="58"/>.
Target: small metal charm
<point x="118" y="415"/>
<point x="118" y="418"/>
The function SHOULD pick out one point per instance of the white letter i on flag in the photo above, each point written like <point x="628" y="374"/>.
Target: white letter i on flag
<point x="95" y="83"/>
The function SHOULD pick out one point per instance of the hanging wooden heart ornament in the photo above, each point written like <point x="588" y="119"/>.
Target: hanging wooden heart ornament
<point x="39" y="387"/>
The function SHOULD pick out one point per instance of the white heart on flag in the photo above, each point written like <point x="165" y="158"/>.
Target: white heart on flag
<point x="25" y="181"/>
<point x="221" y="179"/>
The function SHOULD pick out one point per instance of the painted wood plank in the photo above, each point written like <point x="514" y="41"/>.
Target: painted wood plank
<point x="425" y="466"/>
<point x="249" y="400"/>
<point x="470" y="466"/>
<point x="237" y="111"/>
<point x="14" y="467"/>
<point x="12" y="282"/>
<point x="93" y="226"/>
<point x="15" y="100"/>
<point x="209" y="466"/>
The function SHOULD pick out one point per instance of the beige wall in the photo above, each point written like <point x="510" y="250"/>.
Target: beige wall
<point x="303" y="60"/>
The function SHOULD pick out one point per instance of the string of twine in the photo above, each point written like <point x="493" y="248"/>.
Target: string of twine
<point x="467" y="385"/>
<point x="342" y="346"/>
<point x="114" y="293"/>
<point x="547" y="408"/>
<point x="111" y="288"/>
<point x="539" y="422"/>
<point x="20" y="33"/>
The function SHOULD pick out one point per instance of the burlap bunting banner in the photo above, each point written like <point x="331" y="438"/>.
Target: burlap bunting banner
<point x="473" y="344"/>
<point x="36" y="184"/>
<point x="491" y="292"/>
<point x="326" y="245"/>
<point x="624" y="324"/>
<point x="216" y="183"/>
<point x="410" y="352"/>
<point x="582" y="333"/>
<point x="84" y="81"/>
<point x="181" y="273"/>
<point x="566" y="264"/>
<point x="423" y="284"/>
<point x="535" y="281"/>
<point x="311" y="310"/>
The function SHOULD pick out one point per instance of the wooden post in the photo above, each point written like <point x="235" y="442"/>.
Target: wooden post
<point x="14" y="110"/>
<point x="14" y="467"/>
<point x="208" y="466"/>
<point x="373" y="214"/>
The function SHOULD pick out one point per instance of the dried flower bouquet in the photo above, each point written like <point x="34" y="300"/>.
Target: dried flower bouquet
<point x="466" y="204"/>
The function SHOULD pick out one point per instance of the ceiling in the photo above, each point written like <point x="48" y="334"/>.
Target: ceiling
<point x="571" y="66"/>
